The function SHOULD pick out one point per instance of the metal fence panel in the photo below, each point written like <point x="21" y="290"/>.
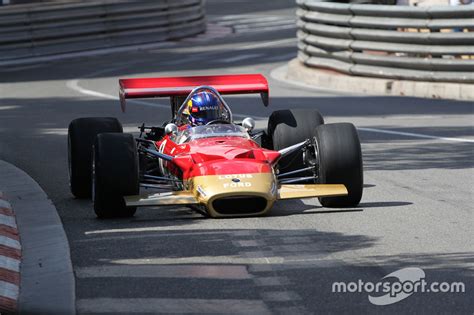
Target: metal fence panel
<point x="33" y="30"/>
<point x="415" y="43"/>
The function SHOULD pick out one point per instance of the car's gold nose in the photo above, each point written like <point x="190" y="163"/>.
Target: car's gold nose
<point x="236" y="194"/>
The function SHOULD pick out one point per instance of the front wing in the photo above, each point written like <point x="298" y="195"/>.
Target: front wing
<point x="190" y="197"/>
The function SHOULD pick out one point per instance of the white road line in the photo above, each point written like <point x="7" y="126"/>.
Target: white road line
<point x="239" y="58"/>
<point x="210" y="260"/>
<point x="73" y="84"/>
<point x="128" y="237"/>
<point x="415" y="135"/>
<point x="269" y="44"/>
<point x="264" y="29"/>
<point x="164" y="271"/>
<point x="63" y="131"/>
<point x="236" y="21"/>
<point x="230" y="17"/>
<point x="266" y="24"/>
<point x="9" y="107"/>
<point x="171" y="306"/>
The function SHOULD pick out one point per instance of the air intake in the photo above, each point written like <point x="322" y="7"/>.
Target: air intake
<point x="239" y="205"/>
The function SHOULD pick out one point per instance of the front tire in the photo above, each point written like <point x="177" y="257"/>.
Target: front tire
<point x="115" y="174"/>
<point x="291" y="126"/>
<point x="81" y="136"/>
<point x="340" y="162"/>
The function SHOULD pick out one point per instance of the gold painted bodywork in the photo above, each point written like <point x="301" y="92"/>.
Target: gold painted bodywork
<point x="162" y="199"/>
<point x="310" y="191"/>
<point x="210" y="188"/>
<point x="203" y="190"/>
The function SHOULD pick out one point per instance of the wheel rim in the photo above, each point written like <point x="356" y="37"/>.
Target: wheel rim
<point x="318" y="158"/>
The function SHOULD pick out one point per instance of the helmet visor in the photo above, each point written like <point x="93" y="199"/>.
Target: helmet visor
<point x="210" y="112"/>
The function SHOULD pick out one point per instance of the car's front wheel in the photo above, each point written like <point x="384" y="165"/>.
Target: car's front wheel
<point x="340" y="162"/>
<point x="81" y="136"/>
<point x="115" y="174"/>
<point x="291" y="126"/>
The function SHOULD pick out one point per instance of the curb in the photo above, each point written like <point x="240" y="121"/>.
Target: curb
<point x="328" y="79"/>
<point x="10" y="259"/>
<point x="46" y="276"/>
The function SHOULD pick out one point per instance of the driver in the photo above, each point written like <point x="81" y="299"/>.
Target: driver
<point x="203" y="108"/>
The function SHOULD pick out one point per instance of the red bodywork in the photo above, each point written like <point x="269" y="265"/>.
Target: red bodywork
<point x="209" y="156"/>
<point x="218" y="156"/>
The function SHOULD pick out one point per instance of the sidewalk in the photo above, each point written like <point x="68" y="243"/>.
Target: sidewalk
<point x="45" y="277"/>
<point x="327" y="79"/>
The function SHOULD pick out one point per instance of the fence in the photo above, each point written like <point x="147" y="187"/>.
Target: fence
<point x="397" y="42"/>
<point x="38" y="30"/>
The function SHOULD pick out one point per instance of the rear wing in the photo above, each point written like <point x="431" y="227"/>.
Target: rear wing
<point x="177" y="88"/>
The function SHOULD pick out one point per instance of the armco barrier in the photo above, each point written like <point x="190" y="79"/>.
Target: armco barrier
<point x="397" y="42"/>
<point x="38" y="30"/>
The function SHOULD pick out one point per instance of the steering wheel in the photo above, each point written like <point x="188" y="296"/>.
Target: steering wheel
<point x="218" y="121"/>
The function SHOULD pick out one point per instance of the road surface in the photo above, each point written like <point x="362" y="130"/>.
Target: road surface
<point x="416" y="210"/>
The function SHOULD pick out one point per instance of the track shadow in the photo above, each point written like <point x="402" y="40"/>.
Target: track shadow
<point x="384" y="204"/>
<point x="298" y="207"/>
<point x="280" y="270"/>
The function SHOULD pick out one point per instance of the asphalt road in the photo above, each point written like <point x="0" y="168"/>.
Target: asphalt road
<point x="416" y="210"/>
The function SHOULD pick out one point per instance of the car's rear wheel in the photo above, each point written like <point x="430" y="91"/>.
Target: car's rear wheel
<point x="340" y="162"/>
<point x="81" y="135"/>
<point x="288" y="127"/>
<point x="115" y="174"/>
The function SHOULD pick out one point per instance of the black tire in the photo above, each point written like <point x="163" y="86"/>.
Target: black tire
<point x="81" y="136"/>
<point x="291" y="126"/>
<point x="340" y="162"/>
<point x="115" y="174"/>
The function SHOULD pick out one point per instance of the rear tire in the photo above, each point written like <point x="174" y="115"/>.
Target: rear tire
<point x="340" y="162"/>
<point x="81" y="136"/>
<point x="291" y="126"/>
<point x="115" y="174"/>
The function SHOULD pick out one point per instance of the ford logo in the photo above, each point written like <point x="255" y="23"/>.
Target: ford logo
<point x="235" y="180"/>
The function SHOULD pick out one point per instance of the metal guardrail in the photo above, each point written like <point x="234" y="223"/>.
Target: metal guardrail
<point x="398" y="42"/>
<point x="38" y="30"/>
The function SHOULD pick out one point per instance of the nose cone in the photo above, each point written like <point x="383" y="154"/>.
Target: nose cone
<point x="241" y="194"/>
<point x="229" y="167"/>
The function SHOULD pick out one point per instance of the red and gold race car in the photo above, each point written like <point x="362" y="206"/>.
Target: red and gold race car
<point x="203" y="159"/>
